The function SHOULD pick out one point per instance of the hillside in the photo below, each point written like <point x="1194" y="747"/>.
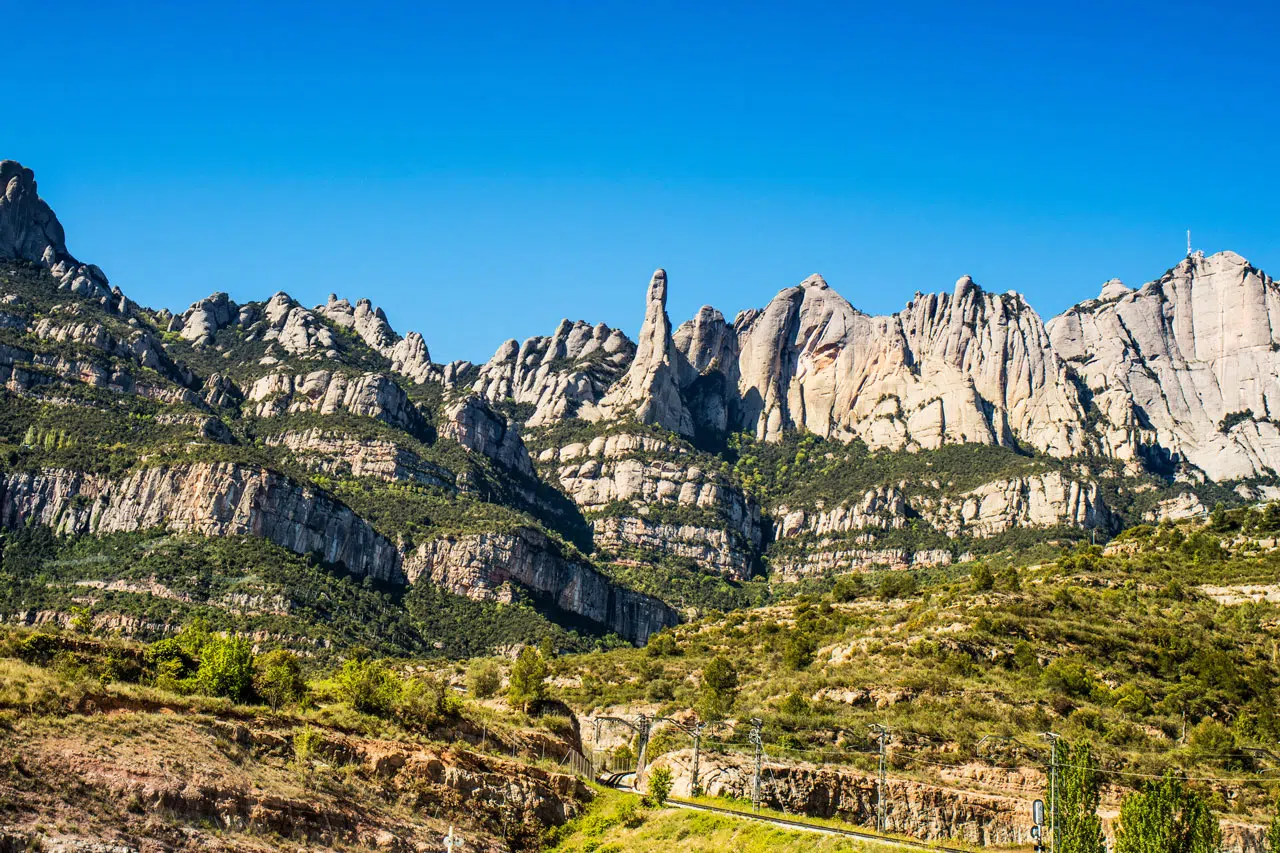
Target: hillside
<point x="957" y="521"/>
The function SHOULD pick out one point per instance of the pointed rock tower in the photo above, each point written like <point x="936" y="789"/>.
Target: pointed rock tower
<point x="651" y="386"/>
<point x="29" y="231"/>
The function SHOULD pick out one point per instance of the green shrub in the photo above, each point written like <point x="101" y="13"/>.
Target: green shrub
<point x="369" y="686"/>
<point x="226" y="667"/>
<point x="484" y="679"/>
<point x="277" y="678"/>
<point x="659" y="786"/>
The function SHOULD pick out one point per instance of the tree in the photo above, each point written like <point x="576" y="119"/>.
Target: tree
<point x="369" y="686"/>
<point x="719" y="688"/>
<point x="483" y="679"/>
<point x="226" y="667"/>
<point x="425" y="701"/>
<point x="1079" y="827"/>
<point x="798" y="652"/>
<point x="277" y="678"/>
<point x="1166" y="817"/>
<point x="983" y="579"/>
<point x="659" y="786"/>
<point x="1273" y="833"/>
<point x="528" y="679"/>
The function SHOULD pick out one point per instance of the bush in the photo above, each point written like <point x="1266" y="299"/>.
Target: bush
<point x="369" y="686"/>
<point x="484" y="679"/>
<point x="983" y="579"/>
<point x="425" y="701"/>
<point x="849" y="588"/>
<point x="226" y="667"/>
<point x="659" y="786"/>
<point x="277" y="678"/>
<point x="897" y="585"/>
<point x="799" y="651"/>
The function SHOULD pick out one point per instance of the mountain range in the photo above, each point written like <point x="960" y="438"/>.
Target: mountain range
<point x="616" y="486"/>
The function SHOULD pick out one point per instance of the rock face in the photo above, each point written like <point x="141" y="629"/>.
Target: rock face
<point x="335" y="454"/>
<point x="1039" y="500"/>
<point x="475" y="426"/>
<point x="559" y="374"/>
<point x="965" y="367"/>
<point x="209" y="499"/>
<point x="29" y="231"/>
<point x="1189" y="363"/>
<point x="915" y="809"/>
<point x="650" y="389"/>
<point x="327" y="392"/>
<point x="639" y="492"/>
<point x="479" y="565"/>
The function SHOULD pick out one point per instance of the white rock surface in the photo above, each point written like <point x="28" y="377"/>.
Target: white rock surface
<point x="650" y="389"/>
<point x="1169" y="362"/>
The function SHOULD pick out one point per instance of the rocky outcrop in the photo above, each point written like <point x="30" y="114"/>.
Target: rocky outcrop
<point x="1190" y="362"/>
<point x="480" y="429"/>
<point x="880" y="508"/>
<point x="556" y="375"/>
<point x="336" y="454"/>
<point x="1038" y="500"/>
<point x="837" y="556"/>
<point x="479" y="565"/>
<point x="915" y="809"/>
<point x="327" y="392"/>
<point x="30" y="231"/>
<point x="219" y="499"/>
<point x="674" y="502"/>
<point x="965" y="367"/>
<point x="1182" y="506"/>
<point x="650" y="389"/>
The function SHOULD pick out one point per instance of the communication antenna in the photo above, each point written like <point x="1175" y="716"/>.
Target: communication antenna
<point x="1188" y="242"/>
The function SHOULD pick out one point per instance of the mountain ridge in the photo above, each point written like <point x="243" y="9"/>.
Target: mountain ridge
<point x="804" y="439"/>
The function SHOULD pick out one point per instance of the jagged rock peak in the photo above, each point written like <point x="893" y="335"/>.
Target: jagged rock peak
<point x="30" y="231"/>
<point x="364" y="319"/>
<point x="559" y="373"/>
<point x="651" y="387"/>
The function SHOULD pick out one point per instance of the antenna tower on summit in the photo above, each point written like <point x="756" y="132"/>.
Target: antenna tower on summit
<point x="1188" y="242"/>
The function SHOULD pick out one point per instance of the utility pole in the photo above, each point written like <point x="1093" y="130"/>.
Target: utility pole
<point x="1053" y="738"/>
<point x="640" y="725"/>
<point x="756" y="725"/>
<point x="695" y="787"/>
<point x="883" y="733"/>
<point x="694" y="731"/>
<point x="642" y="746"/>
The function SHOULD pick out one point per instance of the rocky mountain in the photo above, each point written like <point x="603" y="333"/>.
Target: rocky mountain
<point x="607" y="484"/>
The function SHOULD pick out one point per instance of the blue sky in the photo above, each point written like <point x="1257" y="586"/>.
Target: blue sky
<point x="483" y="169"/>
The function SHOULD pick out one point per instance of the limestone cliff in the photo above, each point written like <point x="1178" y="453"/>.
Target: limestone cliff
<point x="1189" y="363"/>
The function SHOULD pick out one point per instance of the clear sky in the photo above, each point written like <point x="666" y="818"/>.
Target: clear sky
<point x="483" y="169"/>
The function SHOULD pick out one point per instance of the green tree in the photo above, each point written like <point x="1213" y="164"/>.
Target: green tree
<point x="277" y="678"/>
<point x="1166" y="817"/>
<point x="484" y="679"/>
<point x="983" y="579"/>
<point x="528" y="679"/>
<point x="226" y="667"/>
<point x="719" y="688"/>
<point x="798" y="652"/>
<point x="1079" y="827"/>
<point x="368" y="685"/>
<point x="424" y="701"/>
<point x="1273" y="832"/>
<point x="659" y="786"/>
